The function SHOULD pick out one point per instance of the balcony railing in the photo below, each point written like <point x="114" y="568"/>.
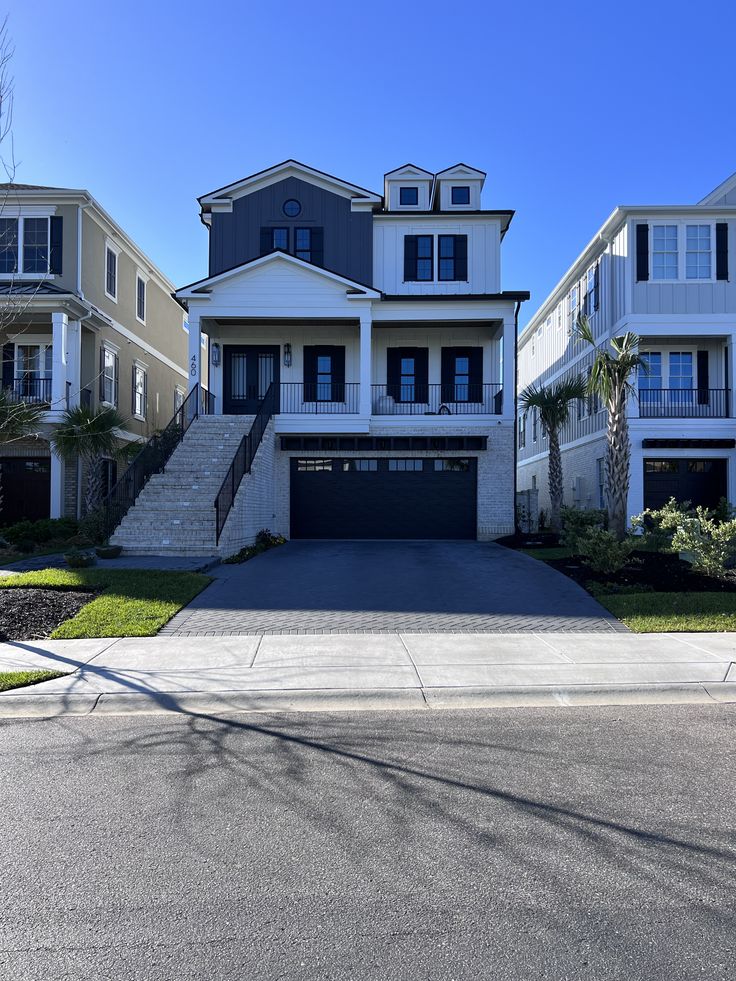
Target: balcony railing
<point x="684" y="403"/>
<point x="437" y="400"/>
<point x="321" y="398"/>
<point x="30" y="390"/>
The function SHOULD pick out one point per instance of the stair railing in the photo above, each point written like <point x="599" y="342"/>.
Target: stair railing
<point x="151" y="460"/>
<point x="243" y="459"/>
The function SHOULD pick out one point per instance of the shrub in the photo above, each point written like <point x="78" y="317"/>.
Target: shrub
<point x="658" y="526"/>
<point x="25" y="546"/>
<point x="266" y="539"/>
<point x="94" y="527"/>
<point x="710" y="545"/>
<point x="602" y="552"/>
<point x="724" y="511"/>
<point x="576" y="522"/>
<point x="39" y="532"/>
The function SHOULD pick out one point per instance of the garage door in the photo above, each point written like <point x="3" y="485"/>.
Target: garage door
<point x="699" y="481"/>
<point x="386" y="498"/>
<point x="26" y="484"/>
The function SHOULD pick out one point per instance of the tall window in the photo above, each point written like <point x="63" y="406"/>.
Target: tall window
<point x="664" y="251"/>
<point x="574" y="307"/>
<point x="681" y="376"/>
<point x="33" y="371"/>
<point x="462" y="379"/>
<point x="111" y="274"/>
<point x="650" y="377"/>
<point x="280" y="239"/>
<point x="324" y="378"/>
<point x="697" y="252"/>
<point x="8" y="245"/>
<point x="409" y="196"/>
<point x="534" y="425"/>
<point x="453" y="263"/>
<point x="522" y="431"/>
<point x="590" y="304"/>
<point x="601" y="472"/>
<point x="139" y="392"/>
<point x="140" y="299"/>
<point x="418" y="258"/>
<point x="303" y="244"/>
<point x="108" y="380"/>
<point x="408" y="379"/>
<point x="35" y="245"/>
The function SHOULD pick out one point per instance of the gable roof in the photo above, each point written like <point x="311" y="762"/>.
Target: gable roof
<point x="203" y="286"/>
<point x="718" y="194"/>
<point x="409" y="169"/>
<point x="462" y="169"/>
<point x="263" y="178"/>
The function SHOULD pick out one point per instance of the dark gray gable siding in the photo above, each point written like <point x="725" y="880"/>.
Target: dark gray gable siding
<point x="348" y="236"/>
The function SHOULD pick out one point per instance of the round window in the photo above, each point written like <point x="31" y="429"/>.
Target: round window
<point x="292" y="208"/>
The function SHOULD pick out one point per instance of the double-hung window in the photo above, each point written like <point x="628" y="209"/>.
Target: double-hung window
<point x="650" y="378"/>
<point x="698" y="252"/>
<point x="111" y="273"/>
<point x="8" y="245"/>
<point x="418" y="258"/>
<point x="408" y="379"/>
<point x="280" y="239"/>
<point x="522" y="430"/>
<point x="681" y="377"/>
<point x="140" y="299"/>
<point x="303" y="244"/>
<point x="664" y="252"/>
<point x="590" y="304"/>
<point x="324" y="378"/>
<point x="453" y="257"/>
<point x="31" y="246"/>
<point x="36" y="245"/>
<point x="574" y="307"/>
<point x="33" y="372"/>
<point x="140" y="393"/>
<point x="109" y="376"/>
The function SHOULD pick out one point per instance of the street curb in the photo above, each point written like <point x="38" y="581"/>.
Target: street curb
<point x="27" y="705"/>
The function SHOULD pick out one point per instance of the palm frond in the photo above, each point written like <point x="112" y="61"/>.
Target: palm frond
<point x="87" y="433"/>
<point x="553" y="402"/>
<point x="18" y="420"/>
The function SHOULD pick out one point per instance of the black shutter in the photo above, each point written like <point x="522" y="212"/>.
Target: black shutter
<point x="703" y="385"/>
<point x="55" y="246"/>
<point x="642" y="253"/>
<point x="448" y="374"/>
<point x="338" y="372"/>
<point x="318" y="246"/>
<point x="421" y="372"/>
<point x="410" y="258"/>
<point x="393" y="373"/>
<point x="721" y="250"/>
<point x="597" y="285"/>
<point x="132" y="390"/>
<point x="116" y="363"/>
<point x="145" y="394"/>
<point x="266" y="241"/>
<point x="102" y="373"/>
<point x="310" y="374"/>
<point x="461" y="257"/>
<point x="8" y="365"/>
<point x="475" y="356"/>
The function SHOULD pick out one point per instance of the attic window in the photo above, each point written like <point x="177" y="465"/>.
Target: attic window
<point x="460" y="195"/>
<point x="292" y="208"/>
<point x="408" y="195"/>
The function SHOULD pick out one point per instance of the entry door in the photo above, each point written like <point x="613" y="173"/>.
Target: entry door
<point x="26" y="483"/>
<point x="249" y="370"/>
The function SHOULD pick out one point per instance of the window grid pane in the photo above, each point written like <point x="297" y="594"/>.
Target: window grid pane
<point x="35" y="245"/>
<point x="664" y="252"/>
<point x="8" y="245"/>
<point x="697" y="252"/>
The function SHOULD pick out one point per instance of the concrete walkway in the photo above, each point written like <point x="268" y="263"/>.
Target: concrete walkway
<point x="402" y="670"/>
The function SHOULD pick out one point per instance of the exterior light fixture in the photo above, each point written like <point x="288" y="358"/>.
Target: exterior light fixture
<point x="215" y="354"/>
<point x="287" y="355"/>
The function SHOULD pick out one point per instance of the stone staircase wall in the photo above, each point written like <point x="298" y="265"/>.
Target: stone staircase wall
<point x="255" y="504"/>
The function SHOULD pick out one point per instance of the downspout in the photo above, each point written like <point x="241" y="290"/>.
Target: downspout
<point x="516" y="399"/>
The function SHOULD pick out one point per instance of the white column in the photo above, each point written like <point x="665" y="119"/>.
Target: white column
<point x="59" y="325"/>
<point x="195" y="350"/>
<point x="509" y="368"/>
<point x="74" y="360"/>
<point x="57" y="487"/>
<point x="731" y="386"/>
<point x="366" y="372"/>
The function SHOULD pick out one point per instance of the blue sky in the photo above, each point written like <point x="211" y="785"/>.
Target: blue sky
<point x="571" y="108"/>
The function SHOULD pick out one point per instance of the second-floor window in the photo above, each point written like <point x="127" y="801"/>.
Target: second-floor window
<point x="574" y="307"/>
<point x="140" y="299"/>
<point x="36" y="245"/>
<point x="108" y="376"/>
<point x="139" y="401"/>
<point x="304" y="243"/>
<point x="111" y="273"/>
<point x="664" y="251"/>
<point x="697" y="252"/>
<point x="8" y="245"/>
<point x="522" y="431"/>
<point x="453" y="257"/>
<point x="590" y="302"/>
<point x="418" y="258"/>
<point x="30" y="245"/>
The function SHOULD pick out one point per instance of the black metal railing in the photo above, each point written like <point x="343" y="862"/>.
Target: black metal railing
<point x="151" y="460"/>
<point x="27" y="389"/>
<point x="433" y="400"/>
<point x="684" y="403"/>
<point x="329" y="398"/>
<point x="206" y="402"/>
<point x="243" y="459"/>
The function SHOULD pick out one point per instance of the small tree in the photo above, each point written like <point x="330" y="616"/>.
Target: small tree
<point x="553" y="402"/>
<point x="89" y="434"/>
<point x="610" y="379"/>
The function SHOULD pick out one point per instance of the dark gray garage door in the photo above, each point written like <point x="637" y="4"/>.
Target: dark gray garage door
<point x="699" y="481"/>
<point x="387" y="498"/>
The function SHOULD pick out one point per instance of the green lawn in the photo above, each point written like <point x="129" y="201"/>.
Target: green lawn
<point x="133" y="602"/>
<point x="547" y="554"/>
<point x="673" y="612"/>
<point x="19" y="679"/>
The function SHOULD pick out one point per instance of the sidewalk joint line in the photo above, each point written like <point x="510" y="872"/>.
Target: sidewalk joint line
<point x="411" y="659"/>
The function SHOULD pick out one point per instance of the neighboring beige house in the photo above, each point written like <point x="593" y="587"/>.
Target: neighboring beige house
<point x="85" y="317"/>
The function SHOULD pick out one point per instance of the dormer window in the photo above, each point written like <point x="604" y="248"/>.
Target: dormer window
<point x="460" y="195"/>
<point x="408" y="196"/>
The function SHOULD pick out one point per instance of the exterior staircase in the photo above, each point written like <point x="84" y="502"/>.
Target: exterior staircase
<point x="174" y="514"/>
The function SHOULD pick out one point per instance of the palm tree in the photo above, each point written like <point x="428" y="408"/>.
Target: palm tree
<point x="553" y="402"/>
<point x="89" y="434"/>
<point x="610" y="379"/>
<point x="18" y="420"/>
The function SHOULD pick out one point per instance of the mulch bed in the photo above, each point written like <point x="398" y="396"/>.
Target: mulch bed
<point x="32" y="614"/>
<point x="655" y="571"/>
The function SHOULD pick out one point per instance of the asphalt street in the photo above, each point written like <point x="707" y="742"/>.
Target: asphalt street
<point x="521" y="845"/>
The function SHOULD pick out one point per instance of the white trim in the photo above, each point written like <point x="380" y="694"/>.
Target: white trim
<point x="111" y="247"/>
<point x="110" y="345"/>
<point x="719" y="192"/>
<point x="141" y="278"/>
<point x="20" y="218"/>
<point x="682" y="225"/>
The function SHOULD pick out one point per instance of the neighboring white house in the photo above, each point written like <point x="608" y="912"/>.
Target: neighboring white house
<point x="664" y="273"/>
<point x="381" y="323"/>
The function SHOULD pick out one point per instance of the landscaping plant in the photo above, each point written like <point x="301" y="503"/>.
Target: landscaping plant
<point x="710" y="544"/>
<point x="553" y="403"/>
<point x="91" y="435"/>
<point x="602" y="552"/>
<point x="656" y="527"/>
<point x="576" y="522"/>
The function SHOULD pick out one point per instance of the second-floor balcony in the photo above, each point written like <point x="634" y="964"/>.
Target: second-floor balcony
<point x="28" y="388"/>
<point x="341" y="398"/>
<point x="684" y="403"/>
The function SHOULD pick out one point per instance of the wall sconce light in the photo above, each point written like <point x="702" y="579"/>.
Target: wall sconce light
<point x="215" y="354"/>
<point x="287" y="355"/>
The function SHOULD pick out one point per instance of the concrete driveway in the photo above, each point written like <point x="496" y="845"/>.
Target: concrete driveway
<point x="390" y="587"/>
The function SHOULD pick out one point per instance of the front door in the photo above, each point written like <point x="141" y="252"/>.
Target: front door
<point x="248" y="371"/>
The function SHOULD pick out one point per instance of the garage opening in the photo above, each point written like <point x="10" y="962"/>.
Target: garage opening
<point x="700" y="481"/>
<point x="26" y="484"/>
<point x="413" y="498"/>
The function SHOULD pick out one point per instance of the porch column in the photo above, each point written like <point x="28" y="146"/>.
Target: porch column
<point x="59" y="327"/>
<point x="730" y="381"/>
<point x="366" y="374"/>
<point x="509" y="368"/>
<point x="74" y="360"/>
<point x="195" y="350"/>
<point x="57" y="487"/>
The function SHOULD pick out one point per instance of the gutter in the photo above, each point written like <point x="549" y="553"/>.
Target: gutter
<point x="516" y="399"/>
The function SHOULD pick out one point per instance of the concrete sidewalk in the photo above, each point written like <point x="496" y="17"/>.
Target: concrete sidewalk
<point x="330" y="671"/>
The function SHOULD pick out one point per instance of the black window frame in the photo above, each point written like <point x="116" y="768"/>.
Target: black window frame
<point x="274" y="246"/>
<point x="9" y="246"/>
<point x="459" y="187"/>
<point x="459" y="258"/>
<point x="36" y="254"/>
<point x="292" y="201"/>
<point x="412" y="258"/>
<point x="303" y="253"/>
<point x="409" y="204"/>
<point x="140" y="299"/>
<point x="360" y="464"/>
<point x="111" y="273"/>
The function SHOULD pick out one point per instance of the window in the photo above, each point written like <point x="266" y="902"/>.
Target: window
<point x="574" y="307"/>
<point x="681" y="376"/>
<point x="534" y="481"/>
<point x="590" y="304"/>
<point x="140" y="299"/>
<point x="280" y="239"/>
<point x="35" y="245"/>
<point x="109" y="377"/>
<point x="559" y="315"/>
<point x="409" y="196"/>
<point x="600" y="464"/>
<point x="453" y="257"/>
<point x="461" y="380"/>
<point x="405" y="465"/>
<point x="33" y="367"/>
<point x="8" y="245"/>
<point x="418" y="258"/>
<point x="111" y="273"/>
<point x="699" y="466"/>
<point x="292" y="208"/>
<point x="697" y="252"/>
<point x="360" y="465"/>
<point x="456" y="465"/>
<point x="303" y="244"/>
<point x="140" y="394"/>
<point x="664" y="251"/>
<point x="650" y="377"/>
<point x="407" y="379"/>
<point x="460" y="195"/>
<point x="324" y="378"/>
<point x="522" y="431"/>
<point x="661" y="466"/>
<point x="534" y="425"/>
<point x="314" y="466"/>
